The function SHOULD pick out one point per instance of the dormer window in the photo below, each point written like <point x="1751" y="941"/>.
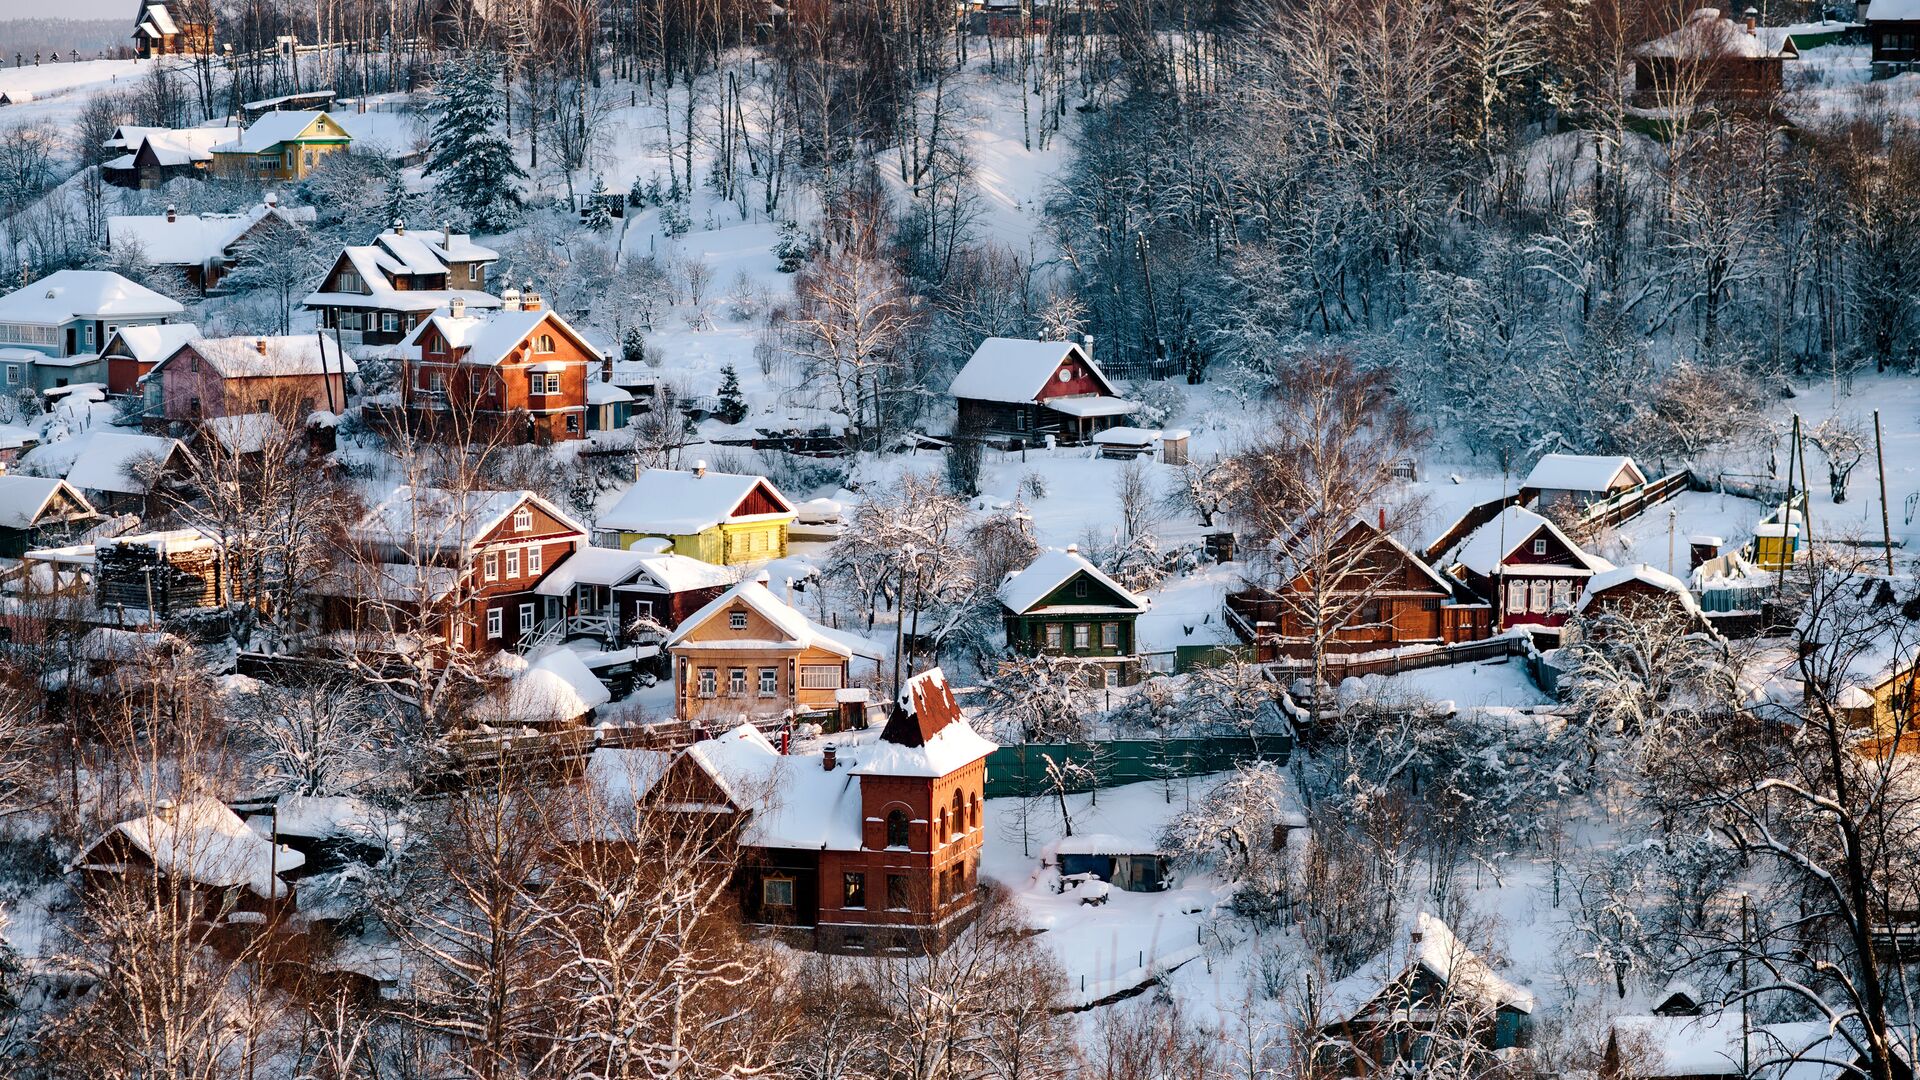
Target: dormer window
<point x="522" y="519"/>
<point x="736" y="620"/>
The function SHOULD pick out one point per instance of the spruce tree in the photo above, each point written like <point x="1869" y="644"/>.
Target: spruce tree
<point x="471" y="155"/>
<point x="733" y="407"/>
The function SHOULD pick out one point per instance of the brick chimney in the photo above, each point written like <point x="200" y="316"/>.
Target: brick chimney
<point x="529" y="300"/>
<point x="173" y="213"/>
<point x="457" y="307"/>
<point x="700" y="468"/>
<point x="260" y="346"/>
<point x="830" y="759"/>
<point x="510" y="300"/>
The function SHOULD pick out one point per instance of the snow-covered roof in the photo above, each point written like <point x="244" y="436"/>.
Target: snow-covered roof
<point x="99" y="460"/>
<point x="600" y="392"/>
<point x="436" y="519"/>
<point x="323" y="817"/>
<point x="1052" y="569"/>
<point x="412" y="253"/>
<point x="1017" y="369"/>
<point x="1092" y="405"/>
<point x="1429" y="944"/>
<point x="1485" y="548"/>
<point x="489" y="337"/>
<point x="161" y="18"/>
<point x="927" y="736"/>
<point x="674" y="502"/>
<point x="110" y="644"/>
<point x="252" y="357"/>
<point x="1676" y="1046"/>
<point x="192" y="239"/>
<point x="556" y="686"/>
<point x="204" y="842"/>
<point x="66" y="295"/>
<point x="154" y="342"/>
<point x="1100" y="844"/>
<point x="1891" y="11"/>
<point x="797" y="631"/>
<point x="271" y="130"/>
<point x="24" y="498"/>
<point x="1709" y="34"/>
<point x="243" y="433"/>
<point x="1640" y="572"/>
<point x="402" y="582"/>
<point x="1580" y="472"/>
<point x="790" y="801"/>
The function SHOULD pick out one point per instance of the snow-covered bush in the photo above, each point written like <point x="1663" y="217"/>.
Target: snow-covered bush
<point x="1161" y="403"/>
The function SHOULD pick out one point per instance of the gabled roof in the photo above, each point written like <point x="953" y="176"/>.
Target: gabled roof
<point x="790" y="801"/>
<point x="264" y="357"/>
<point x="1483" y="549"/>
<point x="24" y="498"/>
<point x="377" y="269"/>
<point x="1015" y="369"/>
<point x="1052" y="569"/>
<point x="796" y="630"/>
<point x="192" y="239"/>
<point x="66" y="295"/>
<point x="1580" y="472"/>
<point x="1636" y="572"/>
<point x="274" y="128"/>
<point x="1710" y="35"/>
<point x="671" y="502"/>
<point x="438" y="520"/>
<point x="203" y="842"/>
<point x="154" y="342"/>
<point x="99" y="460"/>
<point x="159" y="18"/>
<point x="488" y="338"/>
<point x="1438" y="953"/>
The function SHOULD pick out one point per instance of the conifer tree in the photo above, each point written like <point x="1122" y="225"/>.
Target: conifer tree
<point x="471" y="155"/>
<point x="733" y="407"/>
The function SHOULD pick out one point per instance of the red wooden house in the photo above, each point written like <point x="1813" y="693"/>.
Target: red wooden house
<point x="132" y="351"/>
<point x="1020" y="392"/>
<point x="465" y="567"/>
<point x="205" y="856"/>
<point x="1531" y="571"/>
<point x="519" y="373"/>
<point x="856" y="849"/>
<point x="1391" y="596"/>
<point x="288" y="377"/>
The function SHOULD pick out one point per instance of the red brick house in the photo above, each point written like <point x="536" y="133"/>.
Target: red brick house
<point x="861" y="847"/>
<point x="1530" y="570"/>
<point x="1394" y="599"/>
<point x="518" y="373"/>
<point x="467" y="565"/>
<point x="1020" y="392"/>
<point x="288" y="376"/>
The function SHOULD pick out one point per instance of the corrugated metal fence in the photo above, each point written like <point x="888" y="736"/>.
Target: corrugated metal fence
<point x="1021" y="769"/>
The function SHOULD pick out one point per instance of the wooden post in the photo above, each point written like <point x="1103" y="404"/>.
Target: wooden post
<point x="1880" y="459"/>
<point x="1806" y="497"/>
<point x="1786" y="514"/>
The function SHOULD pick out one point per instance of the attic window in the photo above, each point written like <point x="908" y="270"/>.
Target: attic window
<point x="1080" y="587"/>
<point x="1540" y="547"/>
<point x="543" y="343"/>
<point x="736" y="620"/>
<point x="522" y="520"/>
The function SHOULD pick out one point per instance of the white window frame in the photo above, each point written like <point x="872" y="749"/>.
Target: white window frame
<point x="535" y="558"/>
<point x="1562" y="593"/>
<point x="1537" y="591"/>
<point x="490" y="566"/>
<point x="1082" y="635"/>
<point x="526" y="618"/>
<point x="1540" y="545"/>
<point x="769" y="681"/>
<point x="494" y="622"/>
<point x="513" y="563"/>
<point x="737" y="682"/>
<point x="522" y="519"/>
<point x="708" y="682"/>
<point x="1516" y="595"/>
<point x="820" y="676"/>
<point x="1110" y="635"/>
<point x="736" y="620"/>
<point x="1054" y="636"/>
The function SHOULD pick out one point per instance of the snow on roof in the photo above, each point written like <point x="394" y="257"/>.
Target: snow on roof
<point x="1443" y="956"/>
<point x="1127" y="436"/>
<point x="1481" y="551"/>
<point x="682" y="573"/>
<point x="1017" y="369"/>
<point x="162" y="19"/>
<point x="799" y="632"/>
<point x="1891" y="11"/>
<point x="128" y="136"/>
<point x="1580" y="472"/>
<point x="436" y="519"/>
<point x="489" y="337"/>
<point x="1100" y="844"/>
<point x="556" y="686"/>
<point x="99" y="460"/>
<point x="674" y="502"/>
<point x="204" y="842"/>
<point x="1640" y="572"/>
<point x="23" y="498"/>
<point x="1676" y="1046"/>
<point x="790" y="801"/>
<point x="252" y="357"/>
<point x="951" y="749"/>
<point x="395" y="581"/>
<point x="66" y="295"/>
<point x="1708" y="33"/>
<point x="155" y="342"/>
<point x="112" y="644"/>
<point x="600" y="392"/>
<point x="323" y="817"/>
<point x="1049" y="571"/>
<point x="271" y="130"/>
<point x="617" y="566"/>
<point x="191" y="239"/>
<point x="1092" y="405"/>
<point x="243" y="433"/>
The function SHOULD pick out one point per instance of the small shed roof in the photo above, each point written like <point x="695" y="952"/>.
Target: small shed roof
<point x="1580" y="472"/>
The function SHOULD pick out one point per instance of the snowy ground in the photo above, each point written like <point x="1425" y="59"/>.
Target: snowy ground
<point x="1688" y="514"/>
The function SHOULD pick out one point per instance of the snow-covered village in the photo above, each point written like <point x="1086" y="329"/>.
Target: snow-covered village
<point x="1012" y="540"/>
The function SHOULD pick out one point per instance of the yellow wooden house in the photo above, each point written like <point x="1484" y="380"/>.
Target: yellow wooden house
<point x="748" y="654"/>
<point x="722" y="518"/>
<point x="281" y="146"/>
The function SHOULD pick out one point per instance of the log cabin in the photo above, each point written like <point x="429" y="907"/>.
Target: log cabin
<point x="1526" y="567"/>
<point x="168" y="29"/>
<point x="1020" y="393"/>
<point x="1063" y="605"/>
<point x="1712" y="59"/>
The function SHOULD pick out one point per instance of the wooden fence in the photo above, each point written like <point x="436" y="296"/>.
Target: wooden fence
<point x="1628" y="505"/>
<point x="1337" y="666"/>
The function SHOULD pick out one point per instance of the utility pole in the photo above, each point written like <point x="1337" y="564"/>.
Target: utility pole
<point x="1880" y="458"/>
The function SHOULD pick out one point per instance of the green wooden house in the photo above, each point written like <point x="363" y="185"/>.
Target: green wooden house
<point x="1063" y="605"/>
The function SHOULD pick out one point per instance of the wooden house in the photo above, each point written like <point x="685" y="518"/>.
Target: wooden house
<point x="1429" y="981"/>
<point x="201" y="248"/>
<point x="1712" y="59"/>
<point x="865" y="848"/>
<point x="377" y="293"/>
<point x="1063" y="605"/>
<point x="1893" y="29"/>
<point x="724" y="518"/>
<point x="603" y="592"/>
<point x="132" y="351"/>
<point x="37" y="512"/>
<point x="519" y="374"/>
<point x="289" y="376"/>
<point x="1530" y="570"/>
<point x="157" y="155"/>
<point x="748" y="654"/>
<point x="280" y="146"/>
<point x="1021" y="392"/>
<point x="469" y="562"/>
<point x="163" y="29"/>
<point x="51" y="331"/>
<point x="118" y="472"/>
<point x="202" y="853"/>
<point x="1634" y="590"/>
<point x="1390" y="596"/>
<point x="1576" y="481"/>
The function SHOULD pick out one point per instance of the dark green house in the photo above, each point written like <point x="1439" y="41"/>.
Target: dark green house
<point x="1063" y="605"/>
<point x="40" y="512"/>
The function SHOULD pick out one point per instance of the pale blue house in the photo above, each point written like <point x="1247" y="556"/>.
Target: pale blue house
<point x="52" y="331"/>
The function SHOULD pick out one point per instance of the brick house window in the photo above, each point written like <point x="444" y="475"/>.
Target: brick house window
<point x="853" y="890"/>
<point x="896" y="835"/>
<point x="898" y="892"/>
<point x="493" y="622"/>
<point x="708" y="682"/>
<point x="573" y="424"/>
<point x="769" y="681"/>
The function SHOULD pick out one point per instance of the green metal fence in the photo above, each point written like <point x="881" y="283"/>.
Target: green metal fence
<point x="1021" y="769"/>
